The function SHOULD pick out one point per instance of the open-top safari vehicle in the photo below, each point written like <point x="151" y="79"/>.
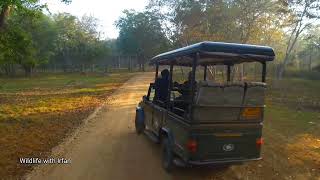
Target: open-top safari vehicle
<point x="210" y="123"/>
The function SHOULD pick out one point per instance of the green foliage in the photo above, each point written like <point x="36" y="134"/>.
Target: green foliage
<point x="22" y="4"/>
<point x="141" y="34"/>
<point x="33" y="39"/>
<point x="309" y="54"/>
<point x="279" y="24"/>
<point x="16" y="47"/>
<point x="231" y="21"/>
<point x="78" y="40"/>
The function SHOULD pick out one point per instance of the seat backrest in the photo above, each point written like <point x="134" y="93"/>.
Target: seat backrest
<point x="255" y="94"/>
<point x="223" y="102"/>
<point x="227" y="94"/>
<point x="233" y="93"/>
<point x="209" y="93"/>
<point x="218" y="102"/>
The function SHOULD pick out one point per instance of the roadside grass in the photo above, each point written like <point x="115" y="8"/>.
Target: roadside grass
<point x="292" y="130"/>
<point x="37" y="113"/>
<point x="295" y="93"/>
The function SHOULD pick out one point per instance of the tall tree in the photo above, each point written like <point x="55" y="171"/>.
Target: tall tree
<point x="7" y="5"/>
<point x="304" y="12"/>
<point x="141" y="34"/>
<point x="28" y="40"/>
<point x="241" y="21"/>
<point x="219" y="20"/>
<point x="310" y="52"/>
<point x="78" y="41"/>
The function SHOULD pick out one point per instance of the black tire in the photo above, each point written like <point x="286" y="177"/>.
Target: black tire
<point x="139" y="126"/>
<point x="167" y="155"/>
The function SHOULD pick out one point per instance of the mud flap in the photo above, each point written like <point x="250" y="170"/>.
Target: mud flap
<point x="169" y="135"/>
<point x="139" y="121"/>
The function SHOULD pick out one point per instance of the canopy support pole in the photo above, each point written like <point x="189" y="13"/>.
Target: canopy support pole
<point x="229" y="73"/>
<point x="157" y="72"/>
<point x="170" y="86"/>
<point x="264" y="71"/>
<point x="193" y="84"/>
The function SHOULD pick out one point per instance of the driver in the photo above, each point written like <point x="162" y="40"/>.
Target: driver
<point x="185" y="90"/>
<point x="185" y="87"/>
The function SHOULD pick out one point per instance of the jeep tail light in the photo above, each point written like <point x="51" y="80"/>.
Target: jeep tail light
<point x="192" y="145"/>
<point x="252" y="113"/>
<point x="259" y="142"/>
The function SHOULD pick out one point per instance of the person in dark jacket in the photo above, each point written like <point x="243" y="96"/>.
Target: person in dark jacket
<point x="185" y="90"/>
<point x="185" y="87"/>
<point x="162" y="86"/>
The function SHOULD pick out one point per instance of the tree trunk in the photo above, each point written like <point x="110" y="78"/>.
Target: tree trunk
<point x="129" y="64"/>
<point x="310" y="62"/>
<point x="28" y="71"/>
<point x="280" y="72"/>
<point x="9" y="70"/>
<point x="6" y="70"/>
<point x="65" y="68"/>
<point x="143" y="68"/>
<point x="282" y="66"/>
<point x="119" y="62"/>
<point x="3" y="14"/>
<point x="82" y="68"/>
<point x="106" y="69"/>
<point x="92" y="68"/>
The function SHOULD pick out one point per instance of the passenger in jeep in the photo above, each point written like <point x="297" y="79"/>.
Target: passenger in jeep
<point x="162" y="86"/>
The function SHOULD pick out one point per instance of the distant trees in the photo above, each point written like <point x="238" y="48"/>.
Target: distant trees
<point x="241" y="21"/>
<point x="29" y="39"/>
<point x="310" y="48"/>
<point x="303" y="14"/>
<point x="8" y="5"/>
<point x="223" y="20"/>
<point x="32" y="39"/>
<point x="141" y="34"/>
<point x="277" y="23"/>
<point x="78" y="42"/>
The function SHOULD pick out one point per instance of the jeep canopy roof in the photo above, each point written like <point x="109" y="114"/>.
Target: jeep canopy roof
<point x="215" y="53"/>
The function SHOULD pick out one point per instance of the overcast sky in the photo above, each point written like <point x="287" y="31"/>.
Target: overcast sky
<point x="106" y="11"/>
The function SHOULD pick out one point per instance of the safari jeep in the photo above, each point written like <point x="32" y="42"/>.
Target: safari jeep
<point x="216" y="123"/>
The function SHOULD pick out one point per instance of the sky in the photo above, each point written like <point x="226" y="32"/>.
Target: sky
<point x="106" y="11"/>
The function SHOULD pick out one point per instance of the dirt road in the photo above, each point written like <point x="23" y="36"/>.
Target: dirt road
<point x="107" y="147"/>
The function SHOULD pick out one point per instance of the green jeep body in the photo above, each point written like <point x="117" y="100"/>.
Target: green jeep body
<point x="222" y="123"/>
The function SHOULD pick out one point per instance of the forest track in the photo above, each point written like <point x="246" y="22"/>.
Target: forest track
<point x="107" y="147"/>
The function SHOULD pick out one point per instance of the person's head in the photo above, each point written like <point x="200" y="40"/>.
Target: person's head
<point x="165" y="74"/>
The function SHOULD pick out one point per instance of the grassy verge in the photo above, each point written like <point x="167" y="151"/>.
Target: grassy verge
<point x="292" y="123"/>
<point x="37" y="113"/>
<point x="291" y="133"/>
